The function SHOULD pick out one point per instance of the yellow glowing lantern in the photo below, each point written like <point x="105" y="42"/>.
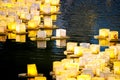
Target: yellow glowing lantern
<point x="32" y="70"/>
<point x="11" y="35"/>
<point x="32" y="24"/>
<point x="46" y="8"/>
<point x="55" y="2"/>
<point x="41" y="7"/>
<point x="53" y="9"/>
<point x="3" y="38"/>
<point x="56" y="64"/>
<point x="98" y="78"/>
<point x="84" y="77"/>
<point x="12" y="26"/>
<point x="47" y="21"/>
<point x="95" y="48"/>
<point x="71" y="46"/>
<point x="37" y="19"/>
<point x="21" y="28"/>
<point x="22" y="16"/>
<point x="117" y="67"/>
<point x="104" y="42"/>
<point x="47" y="1"/>
<point x="110" y="52"/>
<point x="78" y="50"/>
<point x="20" y="38"/>
<point x="113" y="35"/>
<point x="40" y="78"/>
<point x="32" y="33"/>
<point x="20" y="0"/>
<point x="104" y="33"/>
<point x="54" y="17"/>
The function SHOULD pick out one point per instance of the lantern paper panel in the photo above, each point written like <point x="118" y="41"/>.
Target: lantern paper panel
<point x="40" y="78"/>
<point x="32" y="33"/>
<point x="71" y="46"/>
<point x="78" y="50"/>
<point x="49" y="33"/>
<point x="85" y="45"/>
<point x="54" y="17"/>
<point x="20" y="38"/>
<point x="113" y="35"/>
<point x="3" y="38"/>
<point x="20" y="28"/>
<point x="60" y="32"/>
<point x="60" y="43"/>
<point x="117" y="67"/>
<point x="104" y="32"/>
<point x="48" y="21"/>
<point x="41" y="44"/>
<point x="32" y="70"/>
<point x="46" y="8"/>
<point x="104" y="42"/>
<point x="41" y="34"/>
<point x="11" y="36"/>
<point x="55" y="2"/>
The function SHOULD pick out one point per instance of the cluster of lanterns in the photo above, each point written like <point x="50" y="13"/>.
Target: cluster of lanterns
<point x="32" y="17"/>
<point x="85" y="61"/>
<point x="107" y="37"/>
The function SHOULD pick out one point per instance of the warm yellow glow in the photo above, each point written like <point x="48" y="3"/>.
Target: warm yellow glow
<point x="70" y="78"/>
<point x="12" y="26"/>
<point x="32" y="70"/>
<point x="22" y="15"/>
<point x="11" y="36"/>
<point x="95" y="48"/>
<point x="3" y="38"/>
<point x="20" y="38"/>
<point x="98" y="78"/>
<point x="71" y="45"/>
<point x="55" y="2"/>
<point x="78" y="50"/>
<point x="104" y="42"/>
<point x="32" y="33"/>
<point x="56" y="64"/>
<point x="117" y="67"/>
<point x="53" y="9"/>
<point x="54" y="17"/>
<point x="41" y="7"/>
<point x="20" y="0"/>
<point x="37" y="19"/>
<point x="49" y="32"/>
<point x="40" y="78"/>
<point x="20" y="28"/>
<point x="60" y="32"/>
<point x="104" y="32"/>
<point x="46" y="8"/>
<point x="47" y="21"/>
<point x="32" y="24"/>
<point x="84" y="77"/>
<point x="113" y="35"/>
<point x="47" y="1"/>
<point x="110" y="52"/>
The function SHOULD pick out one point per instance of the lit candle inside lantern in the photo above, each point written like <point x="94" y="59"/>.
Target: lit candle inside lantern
<point x="104" y="33"/>
<point x="53" y="9"/>
<point x="117" y="67"/>
<point x="32" y="24"/>
<point x="55" y="2"/>
<point x="104" y="42"/>
<point x="46" y="8"/>
<point x="78" y="50"/>
<point x="47" y="21"/>
<point x="84" y="77"/>
<point x="71" y="45"/>
<point x="32" y="70"/>
<point x="40" y="78"/>
<point x="54" y="17"/>
<point x="20" y="28"/>
<point x="37" y="19"/>
<point x="95" y="48"/>
<point x="110" y="52"/>
<point x="20" y="38"/>
<point x="113" y="35"/>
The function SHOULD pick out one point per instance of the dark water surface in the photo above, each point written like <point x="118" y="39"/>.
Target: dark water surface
<point x="81" y="18"/>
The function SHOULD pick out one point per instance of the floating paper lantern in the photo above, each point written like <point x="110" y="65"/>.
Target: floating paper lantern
<point x="117" y="67"/>
<point x="54" y="17"/>
<point x="32" y="24"/>
<point x="55" y="2"/>
<point x="53" y="9"/>
<point x="32" y="33"/>
<point x="113" y="35"/>
<point x="110" y="52"/>
<point x="104" y="33"/>
<point x="11" y="35"/>
<point x="85" y="45"/>
<point x="20" y="28"/>
<point x="37" y="19"/>
<point x="61" y="33"/>
<point x="32" y="70"/>
<point x="20" y="38"/>
<point x="95" y="48"/>
<point x="42" y="43"/>
<point x="78" y="50"/>
<point x="40" y="78"/>
<point x="46" y="8"/>
<point x="48" y="21"/>
<point x="71" y="45"/>
<point x="104" y="42"/>
<point x="12" y="26"/>
<point x="47" y="1"/>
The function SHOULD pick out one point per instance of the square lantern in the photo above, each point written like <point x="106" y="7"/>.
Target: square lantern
<point x="104" y="42"/>
<point x="55" y="2"/>
<point x="32" y="33"/>
<point x="3" y="38"/>
<point x="47" y="1"/>
<point x="117" y="67"/>
<point x="104" y="33"/>
<point x="20" y="38"/>
<point x="54" y="17"/>
<point x="46" y="8"/>
<point x="113" y="35"/>
<point x="32" y="24"/>
<point x="48" y="21"/>
<point x="41" y="43"/>
<point x="32" y="70"/>
<point x="37" y="19"/>
<point x="54" y="9"/>
<point x="78" y="50"/>
<point x="71" y="46"/>
<point x="20" y="28"/>
<point x="11" y="35"/>
<point x="95" y="48"/>
<point x="110" y="53"/>
<point x="85" y="45"/>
